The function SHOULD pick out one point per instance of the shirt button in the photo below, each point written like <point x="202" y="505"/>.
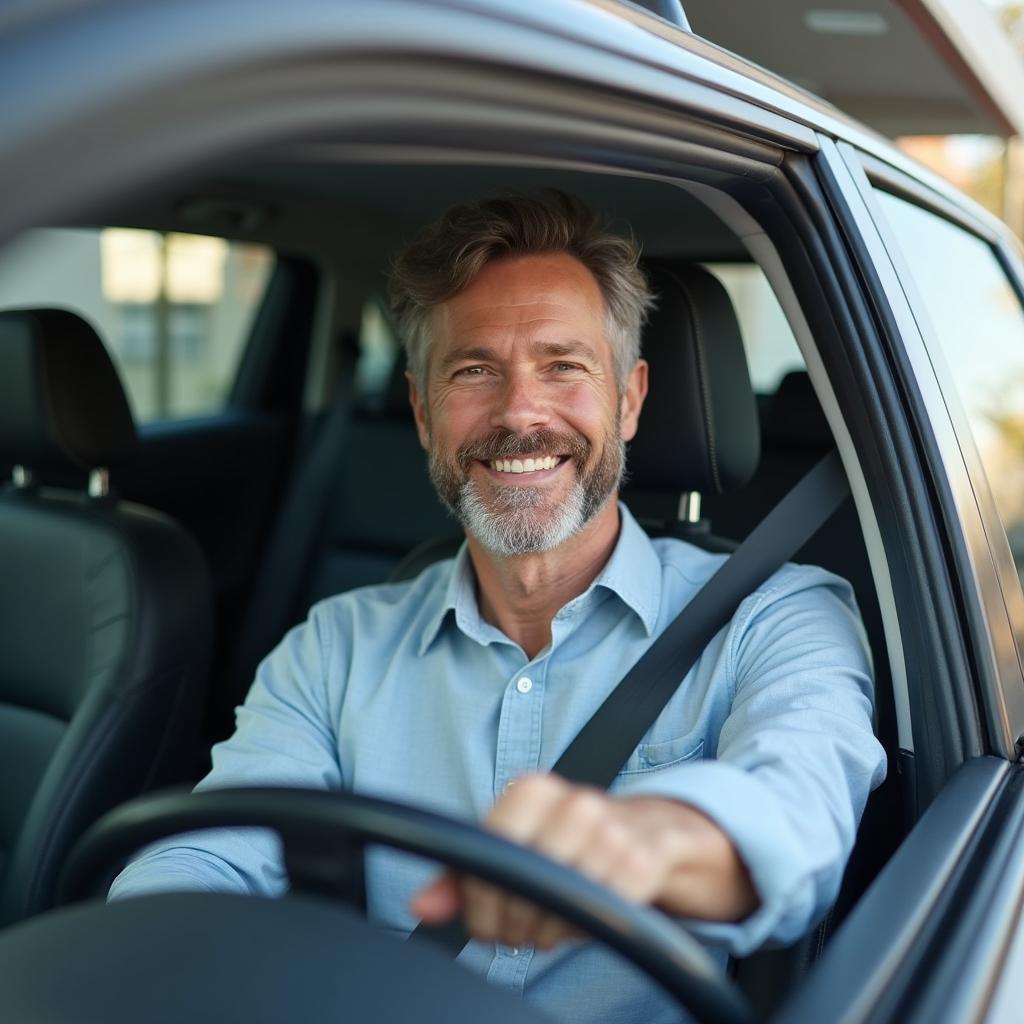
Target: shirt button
<point x="524" y="685"/>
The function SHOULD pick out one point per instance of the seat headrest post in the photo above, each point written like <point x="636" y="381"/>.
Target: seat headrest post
<point x="689" y="507"/>
<point x="99" y="483"/>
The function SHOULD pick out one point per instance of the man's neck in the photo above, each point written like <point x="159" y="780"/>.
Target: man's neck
<point x="522" y="594"/>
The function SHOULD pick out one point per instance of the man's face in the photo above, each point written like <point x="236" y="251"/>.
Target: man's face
<point x="522" y="419"/>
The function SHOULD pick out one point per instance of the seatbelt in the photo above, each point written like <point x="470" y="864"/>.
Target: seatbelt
<point x="295" y="533"/>
<point x="611" y="735"/>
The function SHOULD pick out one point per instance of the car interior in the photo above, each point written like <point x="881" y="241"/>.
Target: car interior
<point x="211" y="534"/>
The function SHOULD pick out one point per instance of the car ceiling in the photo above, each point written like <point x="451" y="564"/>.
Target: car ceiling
<point x="367" y="209"/>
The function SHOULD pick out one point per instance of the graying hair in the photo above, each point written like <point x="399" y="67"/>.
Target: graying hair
<point x="449" y="254"/>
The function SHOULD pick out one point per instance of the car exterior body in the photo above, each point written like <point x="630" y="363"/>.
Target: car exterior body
<point x="847" y="231"/>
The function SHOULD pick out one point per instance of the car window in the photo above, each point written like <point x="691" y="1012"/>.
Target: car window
<point x="979" y="323"/>
<point x="174" y="310"/>
<point x="771" y="348"/>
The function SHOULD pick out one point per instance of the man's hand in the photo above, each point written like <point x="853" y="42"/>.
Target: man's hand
<point x="647" y="849"/>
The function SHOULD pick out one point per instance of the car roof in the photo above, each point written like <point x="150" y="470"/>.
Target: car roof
<point x="713" y="83"/>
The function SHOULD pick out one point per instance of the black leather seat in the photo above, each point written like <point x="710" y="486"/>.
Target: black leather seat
<point x="374" y="518"/>
<point x="698" y="435"/>
<point x="105" y="610"/>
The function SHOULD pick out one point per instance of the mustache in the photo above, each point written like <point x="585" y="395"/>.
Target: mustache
<point x="504" y="444"/>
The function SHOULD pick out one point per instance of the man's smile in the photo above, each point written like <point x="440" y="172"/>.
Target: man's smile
<point x="536" y="467"/>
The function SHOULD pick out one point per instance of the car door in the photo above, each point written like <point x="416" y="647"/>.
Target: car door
<point x="932" y="938"/>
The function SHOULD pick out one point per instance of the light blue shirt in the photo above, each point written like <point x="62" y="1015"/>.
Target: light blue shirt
<point x="404" y="691"/>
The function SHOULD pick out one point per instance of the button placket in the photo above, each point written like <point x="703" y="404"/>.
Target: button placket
<point x="519" y="724"/>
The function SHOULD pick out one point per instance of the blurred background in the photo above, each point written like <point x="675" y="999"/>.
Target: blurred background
<point x="943" y="78"/>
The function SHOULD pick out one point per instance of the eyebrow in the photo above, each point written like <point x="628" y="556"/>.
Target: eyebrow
<point x="567" y="348"/>
<point x="483" y="353"/>
<point x="469" y="354"/>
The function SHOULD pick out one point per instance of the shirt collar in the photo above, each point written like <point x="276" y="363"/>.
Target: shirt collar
<point x="459" y="594"/>
<point x="633" y="573"/>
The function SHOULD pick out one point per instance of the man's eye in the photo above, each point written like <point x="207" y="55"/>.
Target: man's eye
<point x="567" y="367"/>
<point x="471" y="371"/>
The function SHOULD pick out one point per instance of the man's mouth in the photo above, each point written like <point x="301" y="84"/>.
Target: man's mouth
<point x="528" y="465"/>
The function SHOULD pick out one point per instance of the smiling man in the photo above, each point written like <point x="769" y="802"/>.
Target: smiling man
<point x="524" y="415"/>
<point x="459" y="690"/>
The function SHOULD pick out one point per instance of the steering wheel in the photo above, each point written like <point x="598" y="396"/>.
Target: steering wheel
<point x="320" y="830"/>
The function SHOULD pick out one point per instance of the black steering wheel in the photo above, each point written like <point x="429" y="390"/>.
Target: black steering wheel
<point x="322" y="830"/>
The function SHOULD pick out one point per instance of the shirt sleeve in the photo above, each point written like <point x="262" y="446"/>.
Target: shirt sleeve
<point x="796" y="756"/>
<point x="283" y="737"/>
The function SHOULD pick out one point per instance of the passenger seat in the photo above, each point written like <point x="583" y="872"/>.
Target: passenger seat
<point x="105" y="610"/>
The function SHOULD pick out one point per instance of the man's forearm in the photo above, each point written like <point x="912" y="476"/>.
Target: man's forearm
<point x="649" y="850"/>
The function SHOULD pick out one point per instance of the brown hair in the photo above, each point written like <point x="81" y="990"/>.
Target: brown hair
<point x="449" y="253"/>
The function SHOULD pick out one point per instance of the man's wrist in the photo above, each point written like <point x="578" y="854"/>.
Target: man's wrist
<point x="705" y="877"/>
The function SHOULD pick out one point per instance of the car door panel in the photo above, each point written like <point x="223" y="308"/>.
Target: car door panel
<point x="882" y="962"/>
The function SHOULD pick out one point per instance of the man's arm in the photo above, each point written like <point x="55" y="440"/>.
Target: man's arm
<point x="648" y="849"/>
<point x="283" y="738"/>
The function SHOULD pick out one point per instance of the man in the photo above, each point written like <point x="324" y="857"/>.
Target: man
<point x="459" y="690"/>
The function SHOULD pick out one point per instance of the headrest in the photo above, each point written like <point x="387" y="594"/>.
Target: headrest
<point x="795" y="418"/>
<point x="61" y="397"/>
<point x="698" y="430"/>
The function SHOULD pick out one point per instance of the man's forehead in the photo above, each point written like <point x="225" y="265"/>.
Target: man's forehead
<point x="538" y="313"/>
<point x="553" y="287"/>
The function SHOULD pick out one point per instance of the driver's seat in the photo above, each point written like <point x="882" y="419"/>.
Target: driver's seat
<point x="105" y="609"/>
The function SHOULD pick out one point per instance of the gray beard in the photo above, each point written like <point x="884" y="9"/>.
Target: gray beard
<point x="516" y="520"/>
<point x="512" y="525"/>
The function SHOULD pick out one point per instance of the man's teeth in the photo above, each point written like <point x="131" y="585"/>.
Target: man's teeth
<point x="524" y="465"/>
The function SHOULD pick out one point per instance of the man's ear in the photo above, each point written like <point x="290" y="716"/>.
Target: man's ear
<point x="633" y="395"/>
<point x="419" y="411"/>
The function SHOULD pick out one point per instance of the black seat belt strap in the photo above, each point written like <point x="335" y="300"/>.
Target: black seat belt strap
<point x="611" y="735"/>
<point x="605" y="743"/>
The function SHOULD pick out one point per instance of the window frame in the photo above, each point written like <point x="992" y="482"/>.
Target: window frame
<point x="995" y="609"/>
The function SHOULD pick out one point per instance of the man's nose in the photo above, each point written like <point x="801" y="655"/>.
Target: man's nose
<point x="520" y="405"/>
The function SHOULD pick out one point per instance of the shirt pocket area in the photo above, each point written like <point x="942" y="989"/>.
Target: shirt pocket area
<point x="653" y="757"/>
